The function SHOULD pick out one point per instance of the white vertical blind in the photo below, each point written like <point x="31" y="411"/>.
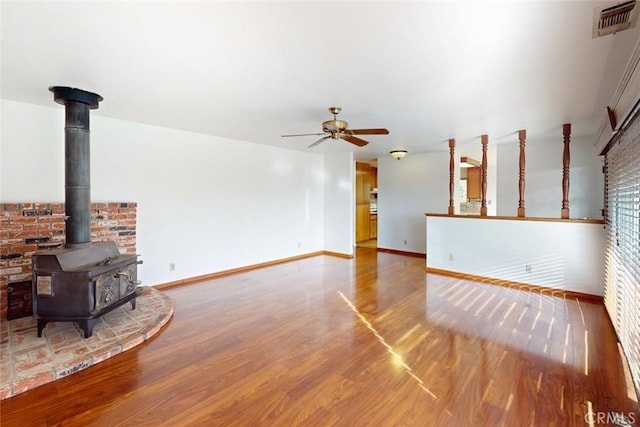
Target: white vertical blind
<point x="622" y="254"/>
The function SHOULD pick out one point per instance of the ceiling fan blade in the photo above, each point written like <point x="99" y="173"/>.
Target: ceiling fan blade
<point x="379" y="131"/>
<point x="319" y="141"/>
<point x="304" y="134"/>
<point x="352" y="139"/>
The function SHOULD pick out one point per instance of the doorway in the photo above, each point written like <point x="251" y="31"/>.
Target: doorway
<point x="367" y="203"/>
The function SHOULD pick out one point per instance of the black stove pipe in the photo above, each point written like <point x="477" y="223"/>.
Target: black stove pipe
<point x="77" y="197"/>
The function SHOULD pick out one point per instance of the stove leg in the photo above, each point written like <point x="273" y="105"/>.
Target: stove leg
<point x="41" y="325"/>
<point x="133" y="304"/>
<point x="87" y="327"/>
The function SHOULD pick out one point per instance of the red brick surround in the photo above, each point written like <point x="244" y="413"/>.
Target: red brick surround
<point x="28" y="227"/>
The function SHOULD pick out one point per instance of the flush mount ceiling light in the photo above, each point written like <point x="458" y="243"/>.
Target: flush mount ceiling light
<point x="398" y="154"/>
<point x="468" y="162"/>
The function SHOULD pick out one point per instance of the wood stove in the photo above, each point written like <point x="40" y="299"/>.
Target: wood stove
<point x="83" y="280"/>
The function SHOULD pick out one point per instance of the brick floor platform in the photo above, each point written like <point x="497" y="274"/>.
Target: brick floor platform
<point x="27" y="361"/>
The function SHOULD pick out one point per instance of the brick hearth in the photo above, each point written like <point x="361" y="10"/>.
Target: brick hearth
<point x="27" y="361"/>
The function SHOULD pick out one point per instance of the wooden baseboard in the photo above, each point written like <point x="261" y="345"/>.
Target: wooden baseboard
<point x="215" y="275"/>
<point x="517" y="285"/>
<point x="337" y="254"/>
<point x="406" y="253"/>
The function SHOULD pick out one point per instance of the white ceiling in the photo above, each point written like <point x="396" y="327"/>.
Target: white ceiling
<point x="427" y="71"/>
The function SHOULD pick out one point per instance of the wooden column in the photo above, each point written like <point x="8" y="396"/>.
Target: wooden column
<point x="566" y="158"/>
<point x="522" y="136"/>
<point x="452" y="174"/>
<point x="483" y="207"/>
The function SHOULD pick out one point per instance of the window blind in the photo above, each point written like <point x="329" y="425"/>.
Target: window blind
<point x="622" y="252"/>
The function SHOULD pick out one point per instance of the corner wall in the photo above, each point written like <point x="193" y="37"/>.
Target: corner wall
<point x="407" y="189"/>
<point x="339" y="203"/>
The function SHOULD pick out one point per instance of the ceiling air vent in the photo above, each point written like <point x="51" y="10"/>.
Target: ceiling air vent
<point x="610" y="20"/>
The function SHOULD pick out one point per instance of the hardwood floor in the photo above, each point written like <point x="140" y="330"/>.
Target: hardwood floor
<point x="369" y="341"/>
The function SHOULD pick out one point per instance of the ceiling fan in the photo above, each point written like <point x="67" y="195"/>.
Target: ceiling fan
<point x="339" y="129"/>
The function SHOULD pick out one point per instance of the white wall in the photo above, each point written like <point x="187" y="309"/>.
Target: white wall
<point x="407" y="189"/>
<point x="339" y="203"/>
<point x="562" y="255"/>
<point x="204" y="203"/>
<point x="543" y="179"/>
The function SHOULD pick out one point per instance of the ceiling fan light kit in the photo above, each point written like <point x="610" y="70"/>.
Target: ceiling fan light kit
<point x="339" y="129"/>
<point x="398" y="154"/>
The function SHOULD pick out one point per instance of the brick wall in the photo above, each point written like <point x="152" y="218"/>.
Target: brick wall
<point x="29" y="227"/>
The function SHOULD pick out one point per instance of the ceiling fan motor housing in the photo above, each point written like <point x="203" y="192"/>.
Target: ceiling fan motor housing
<point x="334" y="127"/>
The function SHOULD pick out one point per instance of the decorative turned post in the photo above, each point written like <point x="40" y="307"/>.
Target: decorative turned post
<point x="483" y="207"/>
<point x="452" y="149"/>
<point x="566" y="158"/>
<point x="522" y="136"/>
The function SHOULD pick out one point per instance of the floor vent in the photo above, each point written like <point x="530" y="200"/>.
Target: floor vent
<point x="610" y="20"/>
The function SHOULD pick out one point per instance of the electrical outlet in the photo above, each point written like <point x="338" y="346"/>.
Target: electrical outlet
<point x="172" y="266"/>
<point x="405" y="242"/>
<point x="299" y="244"/>
<point x="527" y="268"/>
<point x="451" y="257"/>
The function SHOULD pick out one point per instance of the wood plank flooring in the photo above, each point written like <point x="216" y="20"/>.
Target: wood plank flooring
<point x="371" y="341"/>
